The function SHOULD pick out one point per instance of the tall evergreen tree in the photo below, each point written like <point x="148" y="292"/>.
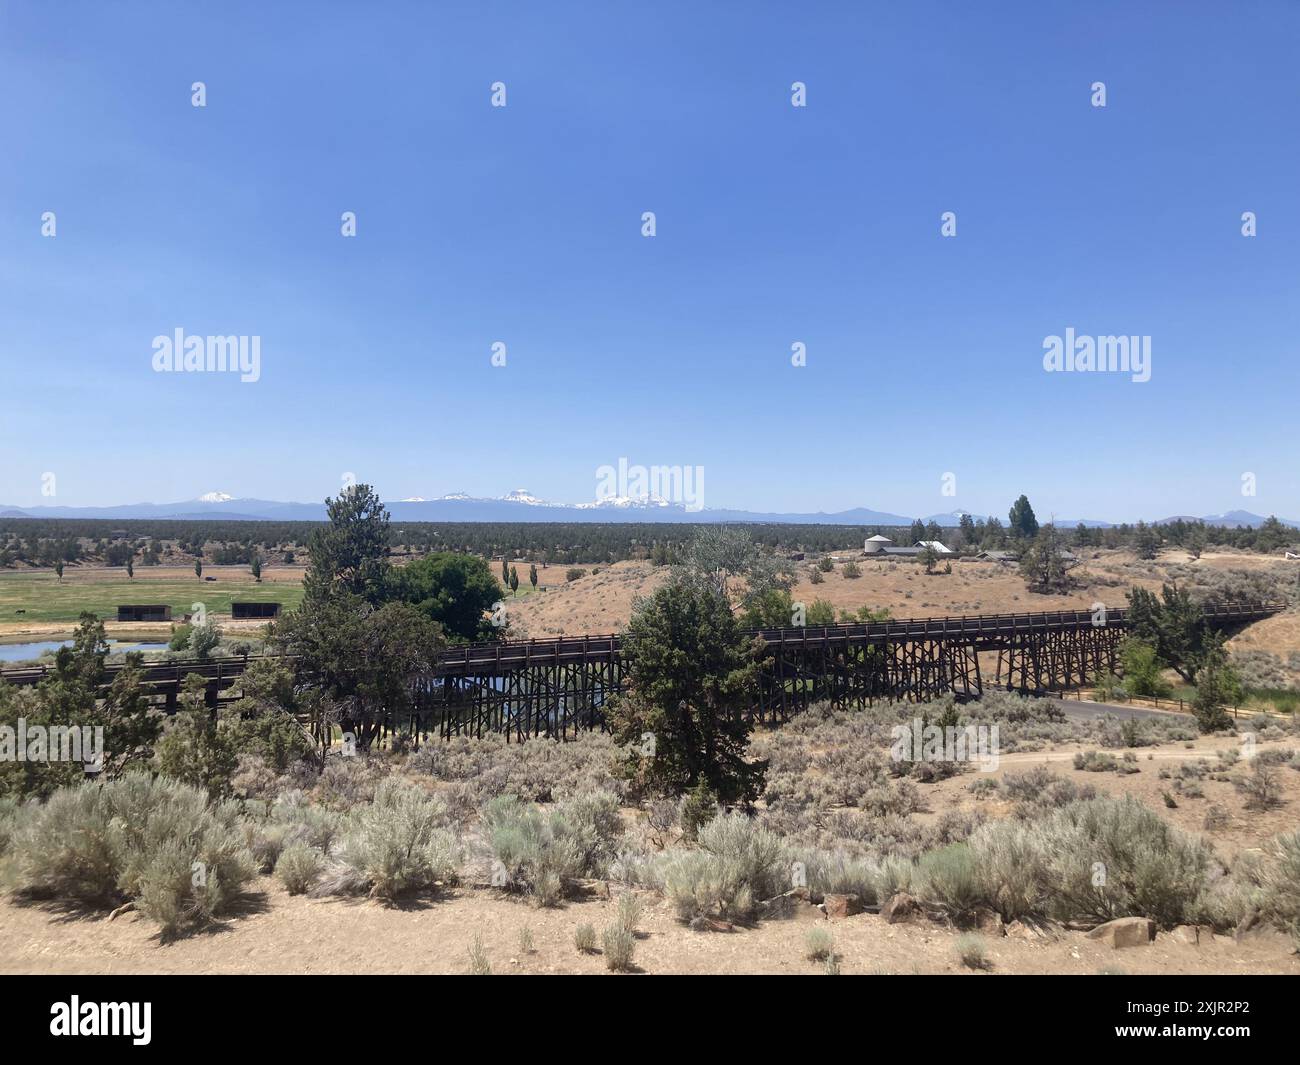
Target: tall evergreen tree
<point x="1021" y="521"/>
<point x="693" y="677"/>
<point x="349" y="556"/>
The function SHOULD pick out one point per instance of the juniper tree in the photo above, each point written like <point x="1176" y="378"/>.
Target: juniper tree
<point x="693" y="678"/>
<point x="349" y="556"/>
<point x="1021" y="520"/>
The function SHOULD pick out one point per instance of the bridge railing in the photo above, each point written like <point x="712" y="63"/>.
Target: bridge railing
<point x="572" y="649"/>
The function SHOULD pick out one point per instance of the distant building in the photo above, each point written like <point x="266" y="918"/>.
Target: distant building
<point x="159" y="612"/>
<point x="874" y="545"/>
<point x="246" y="611"/>
<point x="939" y="548"/>
<point x="1005" y="557"/>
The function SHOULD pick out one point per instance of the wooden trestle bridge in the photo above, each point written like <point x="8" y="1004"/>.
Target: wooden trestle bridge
<point x="559" y="687"/>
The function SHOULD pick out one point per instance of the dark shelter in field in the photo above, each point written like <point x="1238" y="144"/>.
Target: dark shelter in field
<point x="245" y="611"/>
<point x="144" y="613"/>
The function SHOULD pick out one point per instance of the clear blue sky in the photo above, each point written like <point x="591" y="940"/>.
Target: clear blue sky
<point x="775" y="224"/>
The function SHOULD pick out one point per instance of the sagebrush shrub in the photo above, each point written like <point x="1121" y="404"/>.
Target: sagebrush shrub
<point x="618" y="944"/>
<point x="479" y="965"/>
<point x="972" y="951"/>
<point x="584" y="938"/>
<point x="818" y="944"/>
<point x="738" y="864"/>
<point x="154" y="841"/>
<point x="345" y="783"/>
<point x="540" y="851"/>
<point x="299" y="867"/>
<point x="833" y="872"/>
<point x="1091" y="860"/>
<point x="397" y="844"/>
<point x="68" y="848"/>
<point x="950" y="877"/>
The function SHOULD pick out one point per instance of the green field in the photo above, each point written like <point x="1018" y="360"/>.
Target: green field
<point x="44" y="597"/>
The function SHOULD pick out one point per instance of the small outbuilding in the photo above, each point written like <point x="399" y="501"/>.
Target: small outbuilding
<point x="939" y="547"/>
<point x="155" y="612"/>
<point x="250" y="611"/>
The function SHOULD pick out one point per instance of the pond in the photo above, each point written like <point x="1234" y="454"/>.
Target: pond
<point x="24" y="652"/>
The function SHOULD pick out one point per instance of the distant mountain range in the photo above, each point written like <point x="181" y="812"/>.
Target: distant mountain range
<point x="520" y="505"/>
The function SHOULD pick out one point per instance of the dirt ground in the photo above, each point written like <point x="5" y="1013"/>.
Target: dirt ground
<point x="603" y="603"/>
<point x="278" y="933"/>
<point x="273" y="932"/>
<point x="1245" y="829"/>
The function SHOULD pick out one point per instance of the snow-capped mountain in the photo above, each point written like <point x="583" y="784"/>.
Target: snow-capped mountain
<point x="626" y="503"/>
<point x="522" y="495"/>
<point x="522" y="506"/>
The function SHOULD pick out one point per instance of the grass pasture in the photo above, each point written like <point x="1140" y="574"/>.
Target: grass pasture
<point x="44" y="598"/>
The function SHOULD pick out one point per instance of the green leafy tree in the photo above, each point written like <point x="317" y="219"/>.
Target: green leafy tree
<point x="1043" y="566"/>
<point x="994" y="536"/>
<point x="918" y="530"/>
<point x="456" y="591"/>
<point x="1196" y="541"/>
<point x="967" y="526"/>
<point x="1146" y="541"/>
<point x="72" y="697"/>
<point x="256" y="566"/>
<point x="198" y="567"/>
<point x="693" y="679"/>
<point x="1142" y="670"/>
<point x="820" y="613"/>
<point x="929" y="557"/>
<point x="1172" y="624"/>
<point x="58" y="569"/>
<point x="204" y="639"/>
<point x="359" y="660"/>
<point x="532" y="576"/>
<point x="349" y="556"/>
<point x="771" y="610"/>
<point x="264" y="718"/>
<point x="514" y="581"/>
<point x="1021" y="520"/>
<point x="130" y="567"/>
<point x="195" y="749"/>
<point x="1273" y="535"/>
<point x="1218" y="686"/>
<point x="505" y="572"/>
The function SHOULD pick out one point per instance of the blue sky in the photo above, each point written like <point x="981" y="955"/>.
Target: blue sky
<point x="775" y="224"/>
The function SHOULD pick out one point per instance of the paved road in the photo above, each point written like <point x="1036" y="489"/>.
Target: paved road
<point x="1087" y="709"/>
